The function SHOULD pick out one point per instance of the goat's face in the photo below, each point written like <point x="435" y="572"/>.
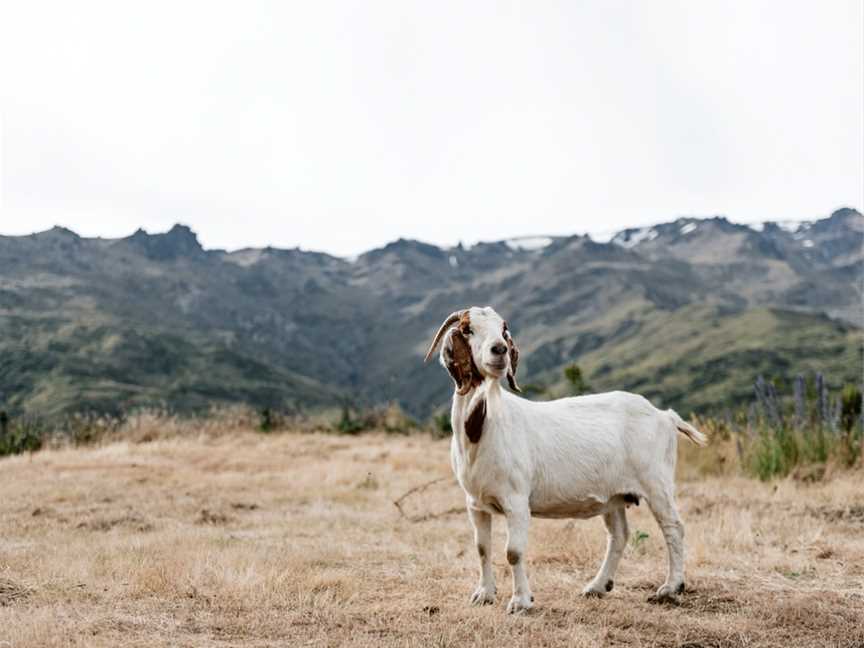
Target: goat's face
<point x="476" y="345"/>
<point x="484" y="329"/>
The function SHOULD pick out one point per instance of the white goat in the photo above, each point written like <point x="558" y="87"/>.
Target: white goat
<point x="569" y="458"/>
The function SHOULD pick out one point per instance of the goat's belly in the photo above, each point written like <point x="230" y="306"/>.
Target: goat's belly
<point x="577" y="508"/>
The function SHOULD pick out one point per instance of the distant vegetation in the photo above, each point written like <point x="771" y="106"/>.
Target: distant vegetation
<point x="808" y="430"/>
<point x="28" y="434"/>
<point x="802" y="427"/>
<point x="577" y="383"/>
<point x="20" y="435"/>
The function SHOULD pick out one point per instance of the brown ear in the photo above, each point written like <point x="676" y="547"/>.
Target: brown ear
<point x="460" y="362"/>
<point x="514" y="360"/>
<point x="452" y="318"/>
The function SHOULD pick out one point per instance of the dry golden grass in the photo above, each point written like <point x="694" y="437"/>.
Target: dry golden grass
<point x="291" y="539"/>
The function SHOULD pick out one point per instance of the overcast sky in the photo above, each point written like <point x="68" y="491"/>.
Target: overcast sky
<point x="340" y="126"/>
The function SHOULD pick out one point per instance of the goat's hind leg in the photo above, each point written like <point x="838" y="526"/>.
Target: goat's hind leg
<point x="663" y="507"/>
<point x="616" y="541"/>
<point x="482" y="523"/>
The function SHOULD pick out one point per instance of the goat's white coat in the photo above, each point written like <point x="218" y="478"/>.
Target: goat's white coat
<point x="573" y="457"/>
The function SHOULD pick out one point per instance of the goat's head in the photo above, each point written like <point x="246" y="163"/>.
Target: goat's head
<point x="476" y="345"/>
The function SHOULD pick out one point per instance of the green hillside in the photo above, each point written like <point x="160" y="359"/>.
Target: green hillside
<point x="50" y="368"/>
<point x="687" y="313"/>
<point x="697" y="359"/>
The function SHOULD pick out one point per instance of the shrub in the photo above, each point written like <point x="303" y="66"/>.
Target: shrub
<point x="850" y="408"/>
<point x="389" y="418"/>
<point x="779" y="441"/>
<point x="578" y="386"/>
<point x="442" y="426"/>
<point x="774" y="453"/>
<point x="20" y="435"/>
<point x="268" y="420"/>
<point x="87" y="429"/>
<point x="349" y="424"/>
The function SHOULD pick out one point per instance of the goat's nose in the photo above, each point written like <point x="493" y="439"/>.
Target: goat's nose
<point x="499" y="349"/>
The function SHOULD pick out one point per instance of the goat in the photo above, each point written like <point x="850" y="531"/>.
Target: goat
<point x="573" y="457"/>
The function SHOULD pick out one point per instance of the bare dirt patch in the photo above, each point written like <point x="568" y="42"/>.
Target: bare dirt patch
<point x="289" y="540"/>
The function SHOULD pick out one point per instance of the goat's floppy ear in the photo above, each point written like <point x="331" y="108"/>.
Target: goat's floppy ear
<point x="452" y="318"/>
<point x="457" y="358"/>
<point x="514" y="360"/>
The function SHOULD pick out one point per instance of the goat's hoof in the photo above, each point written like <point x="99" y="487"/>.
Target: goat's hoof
<point x="597" y="590"/>
<point x="483" y="596"/>
<point x="666" y="595"/>
<point x="520" y="604"/>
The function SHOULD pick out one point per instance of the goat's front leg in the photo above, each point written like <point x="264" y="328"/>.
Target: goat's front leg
<point x="482" y="523"/>
<point x="518" y="521"/>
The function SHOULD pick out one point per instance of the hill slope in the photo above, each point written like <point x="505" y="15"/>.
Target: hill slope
<point x="686" y="312"/>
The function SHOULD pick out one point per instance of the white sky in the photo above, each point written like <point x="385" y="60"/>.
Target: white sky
<point x="340" y="126"/>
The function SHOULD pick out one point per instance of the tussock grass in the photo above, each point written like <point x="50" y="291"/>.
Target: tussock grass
<point x="10" y="591"/>
<point x="228" y="536"/>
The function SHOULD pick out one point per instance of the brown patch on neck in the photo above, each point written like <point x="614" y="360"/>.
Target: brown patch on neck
<point x="475" y="420"/>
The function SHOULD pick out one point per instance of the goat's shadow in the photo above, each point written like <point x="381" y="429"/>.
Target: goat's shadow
<point x="697" y="599"/>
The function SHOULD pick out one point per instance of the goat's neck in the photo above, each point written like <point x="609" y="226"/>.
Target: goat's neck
<point x="490" y="391"/>
<point x="489" y="388"/>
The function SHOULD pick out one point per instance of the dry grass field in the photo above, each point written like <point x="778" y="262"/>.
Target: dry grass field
<point x="293" y="540"/>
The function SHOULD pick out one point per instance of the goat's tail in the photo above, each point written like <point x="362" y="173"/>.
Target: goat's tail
<point x="686" y="429"/>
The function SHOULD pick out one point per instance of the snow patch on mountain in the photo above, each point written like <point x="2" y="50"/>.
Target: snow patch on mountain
<point x="528" y="243"/>
<point x="631" y="238"/>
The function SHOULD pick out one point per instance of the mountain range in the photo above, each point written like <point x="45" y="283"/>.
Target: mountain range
<point x="686" y="312"/>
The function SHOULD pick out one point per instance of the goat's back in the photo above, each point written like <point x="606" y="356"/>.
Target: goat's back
<point x="599" y="443"/>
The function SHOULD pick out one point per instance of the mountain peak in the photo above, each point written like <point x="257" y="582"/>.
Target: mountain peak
<point x="840" y="222"/>
<point x="404" y="247"/>
<point x="179" y="241"/>
<point x="59" y="230"/>
<point x="845" y="212"/>
<point x="846" y="215"/>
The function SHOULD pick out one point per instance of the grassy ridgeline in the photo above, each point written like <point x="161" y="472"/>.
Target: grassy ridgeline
<point x="807" y="438"/>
